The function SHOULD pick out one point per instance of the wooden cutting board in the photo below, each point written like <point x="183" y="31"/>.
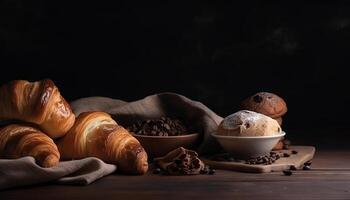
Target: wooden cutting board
<point x="305" y="153"/>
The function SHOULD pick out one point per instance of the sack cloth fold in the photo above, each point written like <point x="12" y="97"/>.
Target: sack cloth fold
<point x="25" y="171"/>
<point x="204" y="120"/>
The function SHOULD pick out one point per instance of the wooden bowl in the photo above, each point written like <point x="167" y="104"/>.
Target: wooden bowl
<point x="157" y="146"/>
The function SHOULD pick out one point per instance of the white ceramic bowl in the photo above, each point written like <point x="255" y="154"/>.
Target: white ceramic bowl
<point x="248" y="146"/>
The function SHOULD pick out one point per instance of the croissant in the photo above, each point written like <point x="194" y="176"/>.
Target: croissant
<point x="22" y="140"/>
<point x="37" y="102"/>
<point x="97" y="134"/>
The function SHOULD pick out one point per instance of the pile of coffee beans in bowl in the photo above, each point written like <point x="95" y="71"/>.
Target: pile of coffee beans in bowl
<point x="163" y="126"/>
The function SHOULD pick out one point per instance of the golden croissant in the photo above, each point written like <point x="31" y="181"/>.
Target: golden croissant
<point x="22" y="140"/>
<point x="97" y="134"/>
<point x="37" y="102"/>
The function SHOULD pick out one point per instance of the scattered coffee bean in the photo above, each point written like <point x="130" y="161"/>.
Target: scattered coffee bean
<point x="293" y="168"/>
<point x="212" y="171"/>
<point x="294" y="152"/>
<point x="287" y="172"/>
<point x="261" y="160"/>
<point x="306" y="167"/>
<point x="157" y="171"/>
<point x="286" y="155"/>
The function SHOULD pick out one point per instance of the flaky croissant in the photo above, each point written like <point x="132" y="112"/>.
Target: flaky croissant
<point x="18" y="140"/>
<point x="97" y="134"/>
<point x="37" y="102"/>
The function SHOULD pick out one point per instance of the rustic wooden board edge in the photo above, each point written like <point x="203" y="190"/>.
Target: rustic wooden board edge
<point x="280" y="165"/>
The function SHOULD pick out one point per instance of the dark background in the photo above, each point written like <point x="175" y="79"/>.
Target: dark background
<point x="217" y="53"/>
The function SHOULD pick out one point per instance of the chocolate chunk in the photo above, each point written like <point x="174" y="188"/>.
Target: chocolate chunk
<point x="258" y="98"/>
<point x="308" y="163"/>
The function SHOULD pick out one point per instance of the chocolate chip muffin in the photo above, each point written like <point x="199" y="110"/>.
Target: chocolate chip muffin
<point x="266" y="103"/>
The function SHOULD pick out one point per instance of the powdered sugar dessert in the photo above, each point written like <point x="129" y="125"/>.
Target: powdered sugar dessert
<point x="248" y="123"/>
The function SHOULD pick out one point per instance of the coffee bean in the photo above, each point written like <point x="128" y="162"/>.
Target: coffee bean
<point x="306" y="167"/>
<point x="167" y="126"/>
<point x="159" y="127"/>
<point x="157" y="171"/>
<point x="286" y="155"/>
<point x="287" y="172"/>
<point x="294" y="152"/>
<point x="211" y="171"/>
<point x="292" y="167"/>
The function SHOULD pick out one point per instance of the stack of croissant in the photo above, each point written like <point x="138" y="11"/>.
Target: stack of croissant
<point x="46" y="128"/>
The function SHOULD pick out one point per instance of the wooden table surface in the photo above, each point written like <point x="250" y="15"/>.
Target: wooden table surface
<point x="328" y="179"/>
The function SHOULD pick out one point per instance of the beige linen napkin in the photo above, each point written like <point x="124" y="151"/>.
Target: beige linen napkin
<point x="24" y="171"/>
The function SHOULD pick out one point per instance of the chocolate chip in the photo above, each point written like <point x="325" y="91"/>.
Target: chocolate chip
<point x="258" y="98"/>
<point x="294" y="152"/>
<point x="287" y="172"/>
<point x="306" y="167"/>
<point x="308" y="163"/>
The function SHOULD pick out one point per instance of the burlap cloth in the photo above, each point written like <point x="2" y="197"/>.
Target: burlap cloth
<point x="24" y="171"/>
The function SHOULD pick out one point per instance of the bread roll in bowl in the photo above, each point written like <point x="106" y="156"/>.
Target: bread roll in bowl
<point x="248" y="123"/>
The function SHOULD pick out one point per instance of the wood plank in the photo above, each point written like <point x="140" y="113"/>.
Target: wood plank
<point x="328" y="179"/>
